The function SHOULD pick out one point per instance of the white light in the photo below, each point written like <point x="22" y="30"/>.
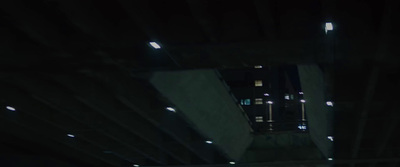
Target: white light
<point x="330" y="138"/>
<point x="258" y="66"/>
<point x="330" y="159"/>
<point x="302" y="127"/>
<point x="232" y="163"/>
<point x="328" y="27"/>
<point x="270" y="102"/>
<point x="266" y="94"/>
<point x="302" y="100"/>
<point x="171" y="109"/>
<point x="71" y="135"/>
<point x="209" y="142"/>
<point x="287" y="97"/>
<point x="135" y="165"/>
<point x="329" y="103"/>
<point x="301" y="93"/>
<point x="155" y="45"/>
<point x="10" y="108"/>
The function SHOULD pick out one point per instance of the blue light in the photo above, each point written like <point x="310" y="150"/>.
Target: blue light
<point x="302" y="127"/>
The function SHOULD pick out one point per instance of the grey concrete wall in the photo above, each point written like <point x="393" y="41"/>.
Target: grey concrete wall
<point x="318" y="116"/>
<point x="205" y="101"/>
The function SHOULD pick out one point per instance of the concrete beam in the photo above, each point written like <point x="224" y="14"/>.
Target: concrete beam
<point x="205" y="102"/>
<point x="149" y="105"/>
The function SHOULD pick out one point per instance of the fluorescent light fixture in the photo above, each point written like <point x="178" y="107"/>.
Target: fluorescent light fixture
<point x="71" y="135"/>
<point x="171" y="109"/>
<point x="266" y="94"/>
<point x="10" y="108"/>
<point x="232" y="163"/>
<point x="270" y="102"/>
<point x="330" y="159"/>
<point x="329" y="103"/>
<point x="328" y="27"/>
<point x="302" y="100"/>
<point x="135" y="165"/>
<point x="258" y="66"/>
<point x="330" y="138"/>
<point x="301" y="93"/>
<point x="155" y="45"/>
<point x="209" y="142"/>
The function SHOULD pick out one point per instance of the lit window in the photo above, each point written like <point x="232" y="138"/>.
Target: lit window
<point x="258" y="101"/>
<point x="258" y="66"/>
<point x="244" y="102"/>
<point x="258" y="83"/>
<point x="155" y="45"/>
<point x="259" y="119"/>
<point x="291" y="97"/>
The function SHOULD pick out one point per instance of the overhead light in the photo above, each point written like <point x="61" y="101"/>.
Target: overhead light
<point x="71" y="135"/>
<point x="10" y="108"/>
<point x="171" y="109"/>
<point x="302" y="100"/>
<point x="270" y="102"/>
<point x="330" y="159"/>
<point x="135" y="165"/>
<point x="209" y="142"/>
<point x="258" y="66"/>
<point x="330" y="138"/>
<point x="302" y="127"/>
<point x="328" y="27"/>
<point x="266" y="94"/>
<point x="232" y="163"/>
<point x="155" y="45"/>
<point x="329" y="103"/>
<point x="301" y="93"/>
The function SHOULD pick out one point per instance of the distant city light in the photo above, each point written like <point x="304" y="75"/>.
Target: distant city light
<point x="302" y="100"/>
<point x="287" y="97"/>
<point x="10" y="108"/>
<point x="71" y="135"/>
<point x="330" y="138"/>
<point x="302" y="127"/>
<point x="171" y="109"/>
<point x="258" y="66"/>
<point x="266" y="94"/>
<point x="135" y="165"/>
<point x="328" y="27"/>
<point x="329" y="103"/>
<point x="270" y="102"/>
<point x="232" y="163"/>
<point x="209" y="142"/>
<point x="155" y="45"/>
<point x="301" y="93"/>
<point x="330" y="159"/>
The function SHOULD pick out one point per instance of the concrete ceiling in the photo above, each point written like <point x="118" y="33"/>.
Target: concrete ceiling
<point x="77" y="67"/>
